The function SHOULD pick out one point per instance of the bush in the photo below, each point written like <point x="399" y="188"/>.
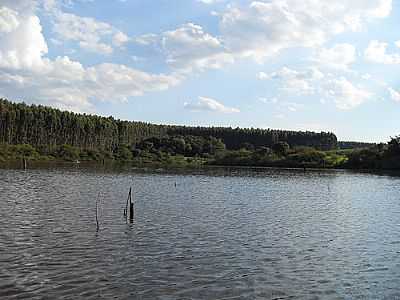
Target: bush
<point x="124" y="153"/>
<point x="365" y="159"/>
<point x="281" y="148"/>
<point x="25" y="150"/>
<point x="67" y="152"/>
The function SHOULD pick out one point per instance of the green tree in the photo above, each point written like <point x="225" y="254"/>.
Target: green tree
<point x="281" y="148"/>
<point x="67" y="152"/>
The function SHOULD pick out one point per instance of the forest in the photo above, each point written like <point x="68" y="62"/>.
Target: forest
<point x="38" y="132"/>
<point x="45" y="128"/>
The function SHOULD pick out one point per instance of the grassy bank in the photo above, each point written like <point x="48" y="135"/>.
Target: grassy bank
<point x="175" y="152"/>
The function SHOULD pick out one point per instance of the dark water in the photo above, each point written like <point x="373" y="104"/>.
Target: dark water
<point x="239" y="234"/>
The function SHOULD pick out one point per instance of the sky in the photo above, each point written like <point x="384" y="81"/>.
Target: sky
<point x="312" y="65"/>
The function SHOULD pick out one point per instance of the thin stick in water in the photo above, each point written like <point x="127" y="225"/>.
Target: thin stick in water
<point x="127" y="201"/>
<point x="130" y="206"/>
<point x="97" y="219"/>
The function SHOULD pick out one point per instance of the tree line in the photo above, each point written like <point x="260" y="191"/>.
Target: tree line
<point x="379" y="156"/>
<point x="46" y="128"/>
<point x="354" y="145"/>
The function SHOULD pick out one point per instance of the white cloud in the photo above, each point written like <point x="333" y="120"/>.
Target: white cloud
<point x="88" y="32"/>
<point x="285" y="106"/>
<point x="256" y="30"/>
<point x="25" y="71"/>
<point x="340" y="56"/>
<point x="297" y="82"/>
<point x="260" y="29"/>
<point x="209" y="104"/>
<point x="147" y="39"/>
<point x="341" y="91"/>
<point x="207" y="1"/>
<point x="211" y="1"/>
<point x="92" y="46"/>
<point x="8" y="19"/>
<point x="189" y="48"/>
<point x="262" y="76"/>
<point x="120" y="38"/>
<point x="286" y="73"/>
<point x="366" y="76"/>
<point x="68" y="85"/>
<point x="376" y="52"/>
<point x="263" y="29"/>
<point x="395" y="95"/>
<point x="278" y="116"/>
<point x="23" y="46"/>
<point x="345" y="95"/>
<point x="292" y="106"/>
<point x="118" y="82"/>
<point x="272" y="100"/>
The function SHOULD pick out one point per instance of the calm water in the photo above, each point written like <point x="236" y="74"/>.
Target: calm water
<point x="226" y="234"/>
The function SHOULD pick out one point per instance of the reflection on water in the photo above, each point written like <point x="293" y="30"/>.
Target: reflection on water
<point x="220" y="234"/>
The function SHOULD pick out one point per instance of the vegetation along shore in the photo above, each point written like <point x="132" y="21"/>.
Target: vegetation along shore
<point x="39" y="133"/>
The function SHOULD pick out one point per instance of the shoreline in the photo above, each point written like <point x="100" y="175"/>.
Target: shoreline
<point x="157" y="166"/>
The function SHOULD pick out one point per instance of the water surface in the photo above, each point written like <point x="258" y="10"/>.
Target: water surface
<point x="217" y="234"/>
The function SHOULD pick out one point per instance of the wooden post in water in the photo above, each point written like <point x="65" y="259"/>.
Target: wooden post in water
<point x="130" y="205"/>
<point x="24" y="164"/>
<point x="97" y="219"/>
<point x="127" y="202"/>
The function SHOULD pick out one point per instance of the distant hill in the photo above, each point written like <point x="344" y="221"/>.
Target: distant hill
<point x="46" y="128"/>
<point x="354" y="145"/>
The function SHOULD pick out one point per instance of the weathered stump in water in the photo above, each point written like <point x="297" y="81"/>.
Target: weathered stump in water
<point x="97" y="219"/>
<point x="131" y="212"/>
<point x="129" y="203"/>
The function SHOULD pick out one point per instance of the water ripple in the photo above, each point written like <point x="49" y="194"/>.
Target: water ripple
<point x="242" y="234"/>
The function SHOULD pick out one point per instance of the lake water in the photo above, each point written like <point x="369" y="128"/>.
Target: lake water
<point x="217" y="234"/>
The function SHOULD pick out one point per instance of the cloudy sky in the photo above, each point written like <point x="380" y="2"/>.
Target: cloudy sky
<point x="291" y="64"/>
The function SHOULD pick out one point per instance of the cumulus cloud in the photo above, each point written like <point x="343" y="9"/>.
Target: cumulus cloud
<point x="210" y="1"/>
<point x="377" y="52"/>
<point x="209" y="104"/>
<point x="345" y="95"/>
<point x="262" y="76"/>
<point x="22" y="46"/>
<point x="147" y="39"/>
<point x="265" y="100"/>
<point x="26" y="71"/>
<point x="291" y="106"/>
<point x="189" y="48"/>
<point x="90" y="34"/>
<point x="340" y="56"/>
<point x="120" y="38"/>
<point x="67" y="84"/>
<point x="257" y="29"/>
<point x="207" y="1"/>
<point x="341" y="91"/>
<point x="283" y="106"/>
<point x="263" y="29"/>
<point x="395" y="95"/>
<point x="8" y="19"/>
<point x="298" y="82"/>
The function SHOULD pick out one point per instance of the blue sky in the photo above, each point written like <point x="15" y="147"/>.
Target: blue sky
<point x="286" y="64"/>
